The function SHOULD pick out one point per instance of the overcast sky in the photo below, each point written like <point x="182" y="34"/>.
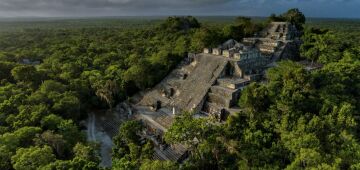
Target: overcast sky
<point x="88" y="8"/>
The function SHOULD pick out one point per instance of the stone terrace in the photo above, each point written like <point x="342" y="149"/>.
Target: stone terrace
<point x="208" y="83"/>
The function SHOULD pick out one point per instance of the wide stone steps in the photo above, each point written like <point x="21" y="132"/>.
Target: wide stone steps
<point x="156" y="156"/>
<point x="195" y="87"/>
<point x="170" y="153"/>
<point x="266" y="49"/>
<point x="160" y="119"/>
<point x="166" y="111"/>
<point x="164" y="118"/>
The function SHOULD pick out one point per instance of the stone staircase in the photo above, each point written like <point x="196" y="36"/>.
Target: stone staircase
<point x="161" y="119"/>
<point x="173" y="153"/>
<point x="194" y="89"/>
<point x="164" y="117"/>
<point x="224" y="94"/>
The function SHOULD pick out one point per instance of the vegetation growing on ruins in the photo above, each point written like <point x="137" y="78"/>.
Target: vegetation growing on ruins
<point x="299" y="119"/>
<point x="243" y="27"/>
<point x="294" y="16"/>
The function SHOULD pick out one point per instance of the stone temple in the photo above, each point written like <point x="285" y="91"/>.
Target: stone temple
<point x="210" y="83"/>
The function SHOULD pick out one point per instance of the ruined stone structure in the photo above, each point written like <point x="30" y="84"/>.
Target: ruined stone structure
<point x="277" y="41"/>
<point x="280" y="31"/>
<point x="209" y="84"/>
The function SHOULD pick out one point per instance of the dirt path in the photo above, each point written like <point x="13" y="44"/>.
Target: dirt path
<point x="96" y="134"/>
<point x="91" y="128"/>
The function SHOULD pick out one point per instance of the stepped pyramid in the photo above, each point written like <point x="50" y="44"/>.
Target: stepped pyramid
<point x="208" y="83"/>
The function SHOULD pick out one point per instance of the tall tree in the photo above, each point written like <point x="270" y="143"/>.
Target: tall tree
<point x="32" y="158"/>
<point x="107" y="92"/>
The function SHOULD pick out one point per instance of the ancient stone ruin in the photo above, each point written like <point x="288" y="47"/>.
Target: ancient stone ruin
<point x="209" y="83"/>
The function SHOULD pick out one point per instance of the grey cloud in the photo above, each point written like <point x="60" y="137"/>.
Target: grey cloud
<point x="39" y="4"/>
<point x="175" y="7"/>
<point x="105" y="7"/>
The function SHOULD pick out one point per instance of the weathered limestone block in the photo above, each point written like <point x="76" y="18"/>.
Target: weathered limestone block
<point x="217" y="51"/>
<point x="207" y="50"/>
<point x="228" y="53"/>
<point x="266" y="48"/>
<point x="237" y="56"/>
<point x="250" y="40"/>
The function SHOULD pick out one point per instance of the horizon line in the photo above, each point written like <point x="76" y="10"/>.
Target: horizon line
<point x="149" y="16"/>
